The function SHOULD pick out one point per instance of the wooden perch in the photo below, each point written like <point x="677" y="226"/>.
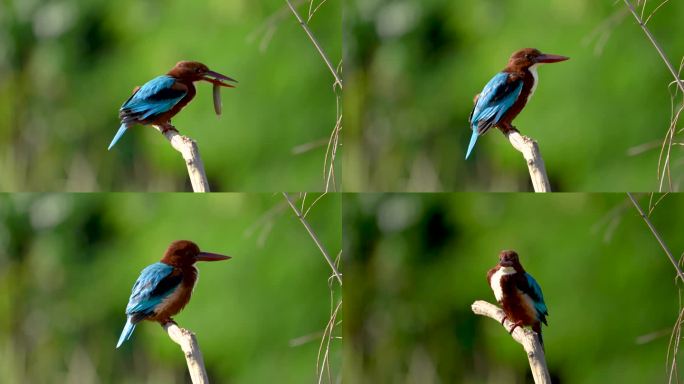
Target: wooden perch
<point x="526" y="337"/>
<point x="190" y="151"/>
<point x="535" y="162"/>
<point x="193" y="355"/>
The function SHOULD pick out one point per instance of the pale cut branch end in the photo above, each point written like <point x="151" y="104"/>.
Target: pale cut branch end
<point x="535" y="163"/>
<point x="193" y="355"/>
<point x="190" y="151"/>
<point x="527" y="338"/>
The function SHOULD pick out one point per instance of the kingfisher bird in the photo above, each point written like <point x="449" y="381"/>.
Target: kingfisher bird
<point x="506" y="94"/>
<point x="519" y="293"/>
<point x="161" y="98"/>
<point x="165" y="287"/>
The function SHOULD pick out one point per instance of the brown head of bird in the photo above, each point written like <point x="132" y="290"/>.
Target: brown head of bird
<point x="508" y="258"/>
<point x="196" y="71"/>
<point x="528" y="57"/>
<point x="185" y="253"/>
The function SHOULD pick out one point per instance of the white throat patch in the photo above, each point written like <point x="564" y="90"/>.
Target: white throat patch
<point x="495" y="281"/>
<point x="533" y="71"/>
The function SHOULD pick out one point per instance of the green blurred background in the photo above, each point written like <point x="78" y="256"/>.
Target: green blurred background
<point x="415" y="263"/>
<point x="413" y="67"/>
<point x="68" y="262"/>
<point x="67" y="66"/>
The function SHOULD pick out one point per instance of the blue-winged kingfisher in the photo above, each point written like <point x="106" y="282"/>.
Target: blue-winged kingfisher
<point x="518" y="293"/>
<point x="165" y="287"/>
<point x="161" y="98"/>
<point x="507" y="93"/>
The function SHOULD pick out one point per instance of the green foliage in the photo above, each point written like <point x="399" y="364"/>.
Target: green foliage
<point x="415" y="264"/>
<point x="66" y="68"/>
<point x="413" y="67"/>
<point x="68" y="262"/>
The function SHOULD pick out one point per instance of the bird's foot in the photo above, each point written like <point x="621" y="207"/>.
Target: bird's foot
<point x="167" y="127"/>
<point x="503" y="320"/>
<point x="507" y="129"/>
<point x="167" y="321"/>
<point x="515" y="325"/>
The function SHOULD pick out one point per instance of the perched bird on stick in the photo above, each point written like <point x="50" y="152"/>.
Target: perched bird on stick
<point x="165" y="287"/>
<point x="161" y="98"/>
<point x="506" y="94"/>
<point x="519" y="293"/>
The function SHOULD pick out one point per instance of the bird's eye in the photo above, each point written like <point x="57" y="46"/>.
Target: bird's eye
<point x="528" y="56"/>
<point x="198" y="70"/>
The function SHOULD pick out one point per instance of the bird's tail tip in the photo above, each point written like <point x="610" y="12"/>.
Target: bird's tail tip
<point x="471" y="145"/>
<point x="537" y="329"/>
<point x="119" y="133"/>
<point x="126" y="333"/>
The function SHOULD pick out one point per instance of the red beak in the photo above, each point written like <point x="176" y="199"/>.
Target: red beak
<point x="544" y="58"/>
<point x="215" y="78"/>
<point x="207" y="256"/>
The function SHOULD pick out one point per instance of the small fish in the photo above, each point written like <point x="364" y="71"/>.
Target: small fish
<point x="161" y="98"/>
<point x="217" y="99"/>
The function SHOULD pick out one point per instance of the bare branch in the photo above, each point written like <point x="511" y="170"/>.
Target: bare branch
<point x="657" y="236"/>
<point x="655" y="44"/>
<point x="190" y="151"/>
<point x="535" y="163"/>
<point x="311" y="232"/>
<point x="664" y="157"/>
<point x="670" y="134"/>
<point x="327" y="61"/>
<point x="312" y="11"/>
<point x="331" y="151"/>
<point x="193" y="355"/>
<point x="527" y="338"/>
<point x="654" y="11"/>
<point x="673" y="347"/>
<point x="324" y="346"/>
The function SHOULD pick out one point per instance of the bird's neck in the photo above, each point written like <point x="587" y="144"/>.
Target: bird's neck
<point x="500" y="274"/>
<point x="528" y="74"/>
<point x="178" y="263"/>
<point x="524" y="72"/>
<point x="190" y="83"/>
<point x="191" y="86"/>
<point x="510" y="270"/>
<point x="189" y="275"/>
<point x="532" y="70"/>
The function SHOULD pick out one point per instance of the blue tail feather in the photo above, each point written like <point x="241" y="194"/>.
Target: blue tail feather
<point x="473" y="139"/>
<point x="119" y="133"/>
<point x="126" y="333"/>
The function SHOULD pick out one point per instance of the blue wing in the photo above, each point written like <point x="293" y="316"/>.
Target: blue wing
<point x="535" y="293"/>
<point x="153" y="98"/>
<point x="496" y="98"/>
<point x="155" y="283"/>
